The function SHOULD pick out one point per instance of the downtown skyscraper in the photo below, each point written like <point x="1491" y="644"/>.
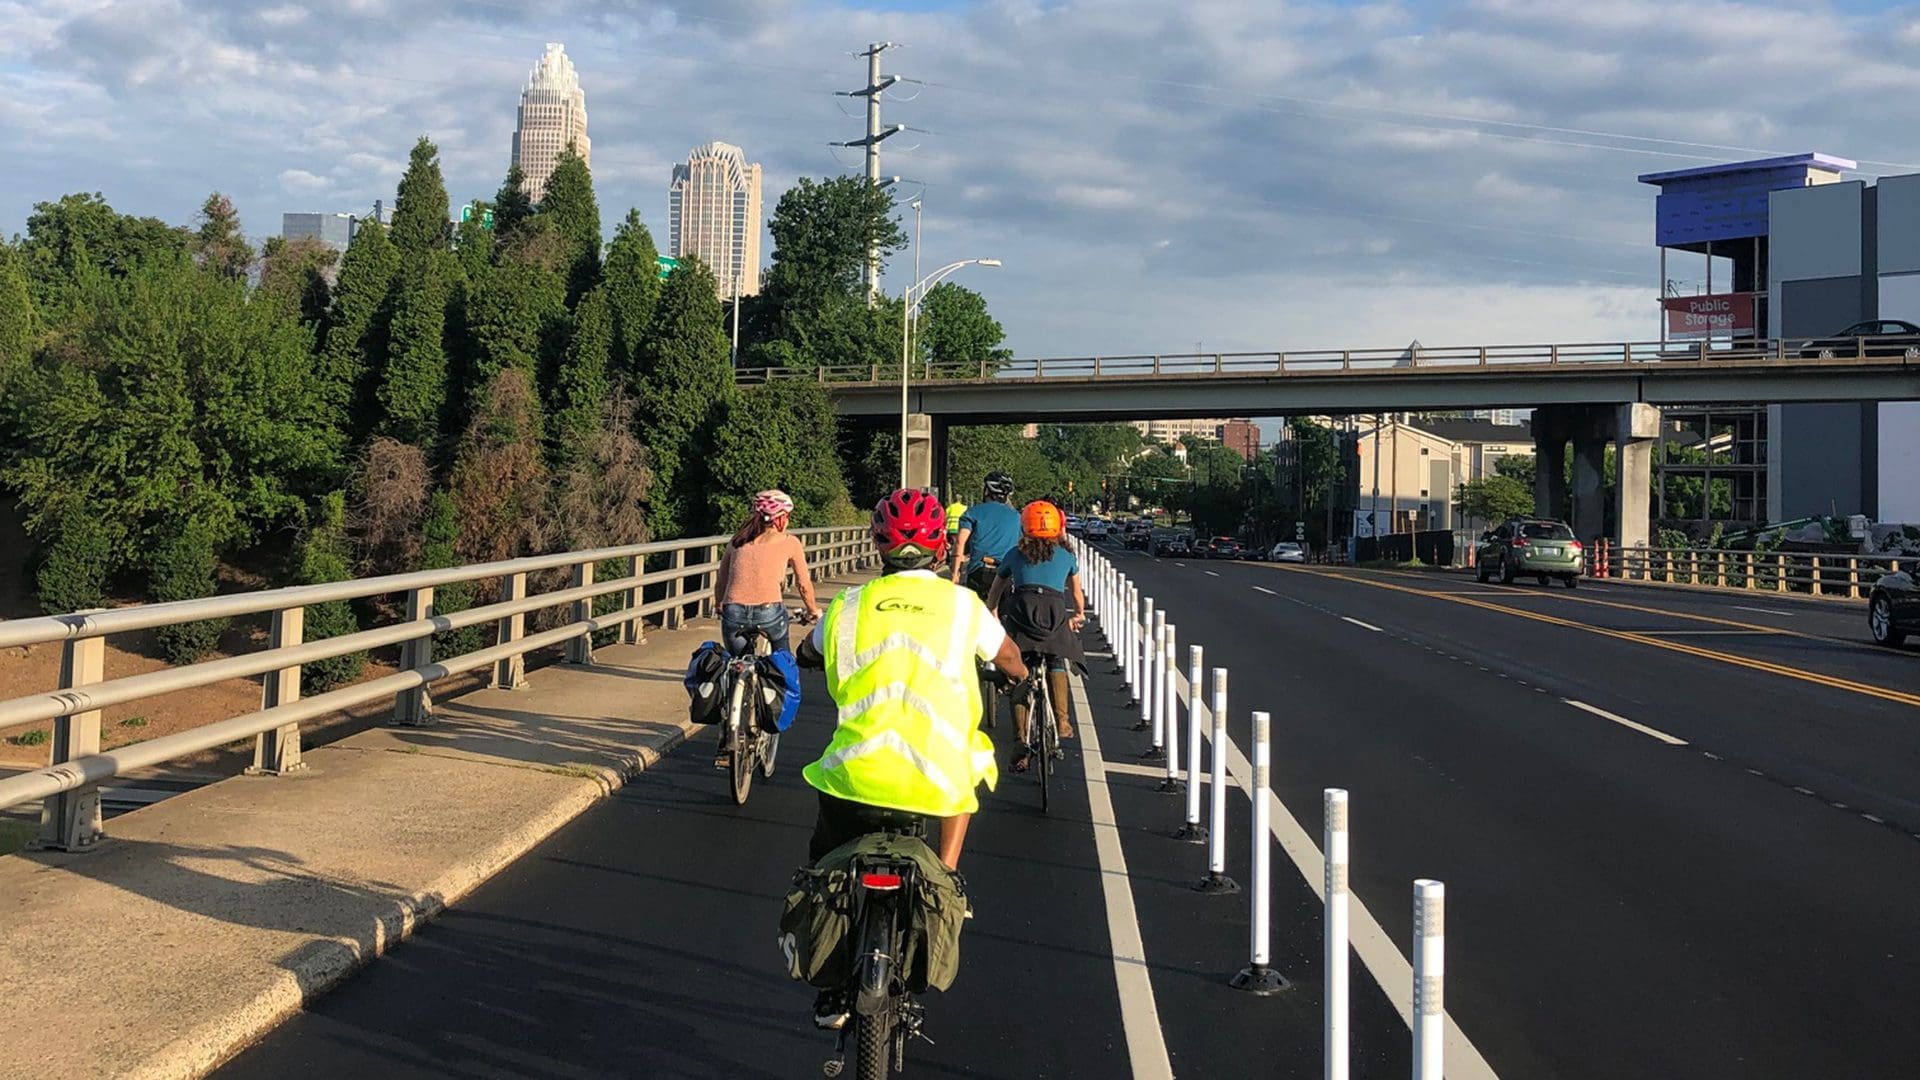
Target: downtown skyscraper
<point x="553" y="114"/>
<point x="713" y="211"/>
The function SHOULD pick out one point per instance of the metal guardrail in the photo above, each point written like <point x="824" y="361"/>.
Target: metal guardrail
<point x="1582" y="356"/>
<point x="69" y="786"/>
<point x="1828" y="576"/>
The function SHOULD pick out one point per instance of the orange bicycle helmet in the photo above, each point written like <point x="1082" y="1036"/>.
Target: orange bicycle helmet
<point x="1042" y="520"/>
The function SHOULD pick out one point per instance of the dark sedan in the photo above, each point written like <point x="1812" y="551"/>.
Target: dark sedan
<point x="1893" y="609"/>
<point x="1225" y="547"/>
<point x="1875" y="337"/>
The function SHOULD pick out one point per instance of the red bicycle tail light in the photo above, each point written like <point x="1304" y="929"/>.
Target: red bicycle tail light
<point x="880" y="881"/>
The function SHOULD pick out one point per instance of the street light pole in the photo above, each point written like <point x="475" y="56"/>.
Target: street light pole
<point x="908" y="302"/>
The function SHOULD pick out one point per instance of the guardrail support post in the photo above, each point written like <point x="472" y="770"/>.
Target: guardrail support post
<point x="580" y="649"/>
<point x="414" y="708"/>
<point x="277" y="752"/>
<point x="633" y="631"/>
<point x="710" y="604"/>
<point x="676" y="589"/>
<point x="70" y="821"/>
<point x="511" y="673"/>
<point x="1780" y="573"/>
<point x="1750" y="582"/>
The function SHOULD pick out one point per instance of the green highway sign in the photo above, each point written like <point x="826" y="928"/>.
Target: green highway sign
<point x="667" y="264"/>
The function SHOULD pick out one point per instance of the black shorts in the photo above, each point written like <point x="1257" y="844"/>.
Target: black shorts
<point x="841" y="820"/>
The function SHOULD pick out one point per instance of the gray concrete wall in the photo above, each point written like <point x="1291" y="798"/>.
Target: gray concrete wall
<point x="1815" y="232"/>
<point x="1819" y="470"/>
<point x="1897" y="227"/>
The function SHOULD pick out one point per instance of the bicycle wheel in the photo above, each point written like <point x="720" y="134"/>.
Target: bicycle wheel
<point x="1040" y="723"/>
<point x="739" y="702"/>
<point x="989" y="702"/>
<point x="873" y="1045"/>
<point x="768" y="752"/>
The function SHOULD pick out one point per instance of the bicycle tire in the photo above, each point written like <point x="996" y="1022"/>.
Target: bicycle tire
<point x="740" y="767"/>
<point x="1040" y="723"/>
<point x="767" y="758"/>
<point x="872" y="1045"/>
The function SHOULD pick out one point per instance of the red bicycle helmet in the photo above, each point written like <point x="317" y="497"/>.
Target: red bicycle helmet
<point x="910" y="529"/>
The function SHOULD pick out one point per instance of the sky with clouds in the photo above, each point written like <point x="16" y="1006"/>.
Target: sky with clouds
<point x="1157" y="176"/>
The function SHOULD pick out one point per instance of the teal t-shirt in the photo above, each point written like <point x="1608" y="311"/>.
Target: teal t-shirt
<point x="1053" y="573"/>
<point x="994" y="528"/>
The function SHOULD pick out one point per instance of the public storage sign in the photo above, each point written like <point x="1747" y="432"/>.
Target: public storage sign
<point x="1704" y="316"/>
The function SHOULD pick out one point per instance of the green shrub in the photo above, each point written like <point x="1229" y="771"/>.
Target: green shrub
<point x="134" y="721"/>
<point x="323" y="558"/>
<point x="183" y="569"/>
<point x="36" y="737"/>
<point x="73" y="570"/>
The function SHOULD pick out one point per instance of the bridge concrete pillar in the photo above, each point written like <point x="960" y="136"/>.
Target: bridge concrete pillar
<point x="1550" y="461"/>
<point x="926" y="438"/>
<point x="1590" y="476"/>
<point x="1636" y="429"/>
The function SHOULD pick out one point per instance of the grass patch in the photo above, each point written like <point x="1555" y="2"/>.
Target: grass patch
<point x="584" y="772"/>
<point x="36" y="737"/>
<point x="16" y="835"/>
<point x="134" y="721"/>
<point x="412" y="748"/>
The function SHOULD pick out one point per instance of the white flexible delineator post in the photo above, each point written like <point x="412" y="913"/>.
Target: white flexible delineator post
<point x="1153" y="712"/>
<point x="1429" y="977"/>
<point x="1259" y="977"/>
<point x="1193" y="832"/>
<point x="1217" y="881"/>
<point x="1334" y="963"/>
<point x="1170" y="712"/>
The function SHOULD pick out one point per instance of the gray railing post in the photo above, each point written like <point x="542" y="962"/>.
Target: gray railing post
<point x="677" y="588"/>
<point x="580" y="649"/>
<point x="414" y="708"/>
<point x="632" y="632"/>
<point x="511" y="673"/>
<point x="70" y="821"/>
<point x="710" y="604"/>
<point x="277" y="752"/>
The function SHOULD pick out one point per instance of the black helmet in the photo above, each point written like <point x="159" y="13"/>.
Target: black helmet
<point x="999" y="485"/>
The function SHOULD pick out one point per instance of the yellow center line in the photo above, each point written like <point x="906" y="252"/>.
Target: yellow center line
<point x="1643" y="609"/>
<point x="1782" y="670"/>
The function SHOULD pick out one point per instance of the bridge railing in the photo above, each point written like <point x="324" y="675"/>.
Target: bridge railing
<point x="1830" y="576"/>
<point x="1581" y="355"/>
<point x="68" y="787"/>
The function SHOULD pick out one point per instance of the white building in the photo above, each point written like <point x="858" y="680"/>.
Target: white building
<point x="713" y="211"/>
<point x="553" y="114"/>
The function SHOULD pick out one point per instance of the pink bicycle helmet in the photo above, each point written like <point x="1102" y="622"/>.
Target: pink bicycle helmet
<point x="773" y="504"/>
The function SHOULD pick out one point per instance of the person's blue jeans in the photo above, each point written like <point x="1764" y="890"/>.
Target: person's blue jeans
<point x="769" y="619"/>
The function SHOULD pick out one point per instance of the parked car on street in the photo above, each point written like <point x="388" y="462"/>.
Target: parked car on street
<point x="1138" y="535"/>
<point x="1287" y="551"/>
<point x="1225" y="547"/>
<point x="1893" y="608"/>
<point x="1530" y="547"/>
<point x="1171" y="547"/>
<point x="1096" y="529"/>
<point x="1874" y="337"/>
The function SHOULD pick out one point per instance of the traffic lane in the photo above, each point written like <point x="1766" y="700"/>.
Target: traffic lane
<point x="1844" y="741"/>
<point x="640" y="940"/>
<point x="1713" y="924"/>
<point x="1196" y="943"/>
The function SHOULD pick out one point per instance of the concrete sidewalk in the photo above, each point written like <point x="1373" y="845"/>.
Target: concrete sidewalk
<point x="210" y="917"/>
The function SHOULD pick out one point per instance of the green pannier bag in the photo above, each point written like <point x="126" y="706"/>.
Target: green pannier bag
<point x="816" y="924"/>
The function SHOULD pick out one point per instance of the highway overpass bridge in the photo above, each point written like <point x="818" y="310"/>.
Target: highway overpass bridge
<point x="1584" y="395"/>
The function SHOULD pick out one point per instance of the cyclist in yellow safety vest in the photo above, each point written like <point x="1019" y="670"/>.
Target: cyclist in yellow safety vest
<point x="900" y="655"/>
<point x="955" y="511"/>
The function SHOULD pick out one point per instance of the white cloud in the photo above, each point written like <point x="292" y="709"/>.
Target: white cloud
<point x="302" y="182"/>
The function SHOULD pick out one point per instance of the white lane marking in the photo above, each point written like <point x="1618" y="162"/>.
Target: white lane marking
<point x="1624" y="722"/>
<point x="1139" y="1015"/>
<point x="1264" y="589"/>
<point x="1148" y="771"/>
<point x="1362" y="625"/>
<point x="1181" y="565"/>
<point x="1377" y="951"/>
<point x="1764" y="611"/>
<point x="1211" y="573"/>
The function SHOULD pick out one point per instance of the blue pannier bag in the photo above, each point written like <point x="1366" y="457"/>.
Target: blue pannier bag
<point x="780" y="691"/>
<point x="703" y="681"/>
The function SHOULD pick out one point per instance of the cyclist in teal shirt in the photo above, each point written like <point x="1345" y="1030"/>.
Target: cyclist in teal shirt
<point x="988" y="532"/>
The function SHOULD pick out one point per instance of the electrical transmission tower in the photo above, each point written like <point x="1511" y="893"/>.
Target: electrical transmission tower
<point x="876" y="85"/>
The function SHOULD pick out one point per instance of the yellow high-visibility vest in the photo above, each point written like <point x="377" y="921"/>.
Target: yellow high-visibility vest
<point x="955" y="511"/>
<point x="901" y="667"/>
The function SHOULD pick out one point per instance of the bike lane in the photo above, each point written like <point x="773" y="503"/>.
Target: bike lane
<point x="640" y="941"/>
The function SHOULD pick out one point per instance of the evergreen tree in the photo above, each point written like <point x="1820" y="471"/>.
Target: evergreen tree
<point x="578" y="398"/>
<point x="499" y="481"/>
<point x="439" y="551"/>
<point x="412" y="394"/>
<point x="570" y="204"/>
<point x="76" y="558"/>
<point x="683" y="397"/>
<point x="511" y="205"/>
<point x="356" y="344"/>
<point x="182" y="567"/>
<point x="780" y="435"/>
<point x="420" y="225"/>
<point x="81" y="236"/>
<point x="517" y="317"/>
<point x="632" y="281"/>
<point x="473" y="242"/>
<point x="326" y="556"/>
<point x="219" y="244"/>
<point x="293" y="274"/>
<point x="16" y="322"/>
